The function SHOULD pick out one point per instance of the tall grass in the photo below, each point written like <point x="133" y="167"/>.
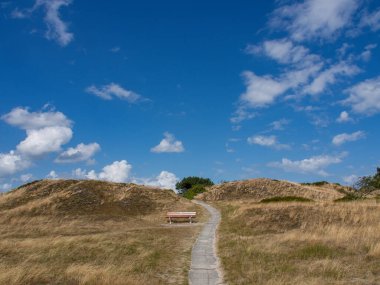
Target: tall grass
<point x="300" y="243"/>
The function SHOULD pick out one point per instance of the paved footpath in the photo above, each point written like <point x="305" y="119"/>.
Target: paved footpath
<point x="205" y="268"/>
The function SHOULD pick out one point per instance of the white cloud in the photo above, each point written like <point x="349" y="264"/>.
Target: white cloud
<point x="312" y="165"/>
<point x="165" y="180"/>
<point x="46" y="131"/>
<point x="329" y="76"/>
<point x="11" y="162"/>
<point x="279" y="125"/>
<point x="168" y="144"/>
<point x="367" y="53"/>
<point x="315" y="19"/>
<point x="267" y="141"/>
<point x="43" y="141"/>
<point x="241" y="114"/>
<point x="118" y="171"/>
<point x="82" y="152"/>
<point x="343" y="138"/>
<point x="364" y="97"/>
<point x="22" y="118"/>
<point x="344" y="117"/>
<point x="371" y="20"/>
<point x="52" y="175"/>
<point x="261" y="90"/>
<point x="284" y="52"/>
<point x="56" y="29"/>
<point x="350" y="179"/>
<point x="115" y="49"/>
<point x="26" y="177"/>
<point x="5" y="187"/>
<point x="111" y="90"/>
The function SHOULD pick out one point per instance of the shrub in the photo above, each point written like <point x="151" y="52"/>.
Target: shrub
<point x="188" y="182"/>
<point x="368" y="183"/>
<point x="285" y="199"/>
<point x="350" y="197"/>
<point x="317" y="183"/>
<point x="194" y="191"/>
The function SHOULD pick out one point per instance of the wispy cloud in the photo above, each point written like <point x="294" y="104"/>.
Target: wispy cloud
<point x="112" y="90"/>
<point x="267" y="141"/>
<point x="313" y="165"/>
<point x="343" y="138"/>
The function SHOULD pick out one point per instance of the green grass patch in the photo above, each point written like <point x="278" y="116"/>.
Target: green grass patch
<point x="315" y="251"/>
<point x="350" y="197"/>
<point x="277" y="199"/>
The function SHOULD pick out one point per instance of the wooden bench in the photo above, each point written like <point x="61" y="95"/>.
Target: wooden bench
<point x="181" y="215"/>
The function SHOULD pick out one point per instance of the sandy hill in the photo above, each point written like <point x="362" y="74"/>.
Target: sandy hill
<point x="87" y="197"/>
<point x="261" y="188"/>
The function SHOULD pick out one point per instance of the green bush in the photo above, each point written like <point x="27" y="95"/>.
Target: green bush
<point x="285" y="199"/>
<point x="350" y="197"/>
<point x="194" y="191"/>
<point x="189" y="182"/>
<point x="369" y="183"/>
<point x="317" y="183"/>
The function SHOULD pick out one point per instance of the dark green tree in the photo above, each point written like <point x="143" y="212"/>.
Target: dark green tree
<point x="189" y="182"/>
<point x="368" y="183"/>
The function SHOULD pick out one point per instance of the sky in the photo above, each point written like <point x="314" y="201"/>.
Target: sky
<point x="150" y="92"/>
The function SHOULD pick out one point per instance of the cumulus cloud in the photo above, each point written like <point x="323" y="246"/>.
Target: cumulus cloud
<point x="109" y="91"/>
<point x="43" y="141"/>
<point x="168" y="144"/>
<point x="312" y="165"/>
<point x="52" y="175"/>
<point x="118" y="171"/>
<point x="46" y="131"/>
<point x="82" y="152"/>
<point x="165" y="180"/>
<point x="315" y="19"/>
<point x="267" y="141"/>
<point x="344" y="117"/>
<point x="22" y="118"/>
<point x="11" y="163"/>
<point x="364" y="97"/>
<point x="343" y="138"/>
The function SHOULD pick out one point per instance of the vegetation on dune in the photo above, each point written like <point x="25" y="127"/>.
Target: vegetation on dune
<point x="191" y="186"/>
<point x="299" y="243"/>
<point x="93" y="232"/>
<point x="367" y="184"/>
<point x="285" y="199"/>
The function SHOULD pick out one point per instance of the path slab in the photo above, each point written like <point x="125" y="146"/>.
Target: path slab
<point x="205" y="268"/>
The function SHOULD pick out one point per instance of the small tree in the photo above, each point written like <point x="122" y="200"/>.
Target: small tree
<point x="368" y="183"/>
<point x="189" y="182"/>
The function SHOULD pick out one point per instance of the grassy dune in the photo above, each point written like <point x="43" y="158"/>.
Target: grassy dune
<point x="59" y="232"/>
<point x="300" y="243"/>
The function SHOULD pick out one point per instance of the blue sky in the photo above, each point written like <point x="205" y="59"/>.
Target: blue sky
<point x="150" y="92"/>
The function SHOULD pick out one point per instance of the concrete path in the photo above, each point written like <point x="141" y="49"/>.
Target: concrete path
<point x="205" y="268"/>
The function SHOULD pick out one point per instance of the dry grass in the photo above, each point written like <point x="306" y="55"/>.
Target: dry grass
<point x="300" y="243"/>
<point x="262" y="188"/>
<point x="59" y="232"/>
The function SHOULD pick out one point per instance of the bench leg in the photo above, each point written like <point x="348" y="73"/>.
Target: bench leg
<point x="190" y="220"/>
<point x="170" y="220"/>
